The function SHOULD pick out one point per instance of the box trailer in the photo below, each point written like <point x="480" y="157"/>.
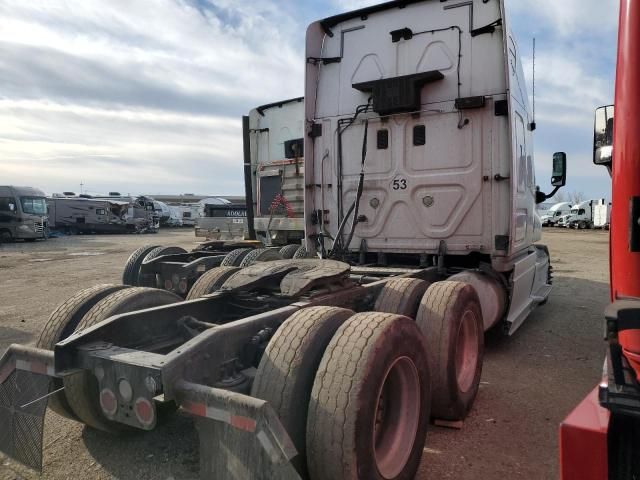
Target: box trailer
<point x="422" y="239"/>
<point x="602" y="214"/>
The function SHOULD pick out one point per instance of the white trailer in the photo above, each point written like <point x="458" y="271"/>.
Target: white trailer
<point x="602" y="215"/>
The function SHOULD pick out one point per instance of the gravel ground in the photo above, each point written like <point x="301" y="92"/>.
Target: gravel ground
<point x="530" y="381"/>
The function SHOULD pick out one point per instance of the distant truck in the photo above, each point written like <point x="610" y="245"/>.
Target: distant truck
<point x="219" y="219"/>
<point x="581" y="216"/>
<point x="274" y="147"/>
<point x="555" y="213"/>
<point x="23" y="214"/>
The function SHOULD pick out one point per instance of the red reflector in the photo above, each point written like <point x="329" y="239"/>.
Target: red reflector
<point x="108" y="402"/>
<point x="243" y="423"/>
<point x="144" y="411"/>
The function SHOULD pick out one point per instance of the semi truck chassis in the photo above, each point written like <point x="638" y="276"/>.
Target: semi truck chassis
<point x="200" y="355"/>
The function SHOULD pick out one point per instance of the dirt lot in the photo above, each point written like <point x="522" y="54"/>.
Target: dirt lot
<point x="530" y="381"/>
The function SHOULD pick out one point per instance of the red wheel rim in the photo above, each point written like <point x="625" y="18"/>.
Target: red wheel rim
<point x="397" y="416"/>
<point x="467" y="351"/>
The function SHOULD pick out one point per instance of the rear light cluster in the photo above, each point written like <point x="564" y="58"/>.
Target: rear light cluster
<point x="143" y="409"/>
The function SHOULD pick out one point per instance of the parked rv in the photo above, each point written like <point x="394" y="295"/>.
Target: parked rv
<point x="87" y="215"/>
<point x="23" y="214"/>
<point x="555" y="213"/>
<point x="274" y="146"/>
<point x="141" y="215"/>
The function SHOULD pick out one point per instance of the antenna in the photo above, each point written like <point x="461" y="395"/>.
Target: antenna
<point x="81" y="185"/>
<point x="533" y="123"/>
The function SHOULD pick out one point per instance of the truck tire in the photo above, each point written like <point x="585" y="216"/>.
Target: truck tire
<point x="401" y="296"/>
<point x="132" y="267"/>
<point x="582" y="225"/>
<point x="260" y="255"/>
<point x="210" y="281"/>
<point x="373" y="361"/>
<point x="234" y="257"/>
<point x="63" y="322"/>
<point x="82" y="388"/>
<point x="287" y="252"/>
<point x="450" y="317"/>
<point x="155" y="253"/>
<point x="288" y="368"/>
<point x="301" y="253"/>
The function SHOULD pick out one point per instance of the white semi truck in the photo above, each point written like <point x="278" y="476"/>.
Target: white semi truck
<point x="274" y="146"/>
<point x="420" y="214"/>
<point x="555" y="213"/>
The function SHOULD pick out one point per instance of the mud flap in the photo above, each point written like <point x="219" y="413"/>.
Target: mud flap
<point x="241" y="437"/>
<point x="25" y="374"/>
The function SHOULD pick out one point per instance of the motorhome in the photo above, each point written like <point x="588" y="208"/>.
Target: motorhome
<point x="555" y="213"/>
<point x="274" y="148"/>
<point x="141" y="215"/>
<point x="87" y="215"/>
<point x="23" y="214"/>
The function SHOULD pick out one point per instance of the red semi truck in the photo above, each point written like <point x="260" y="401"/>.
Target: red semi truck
<point x="600" y="439"/>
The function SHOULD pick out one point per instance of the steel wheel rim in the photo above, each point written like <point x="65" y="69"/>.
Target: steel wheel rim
<point x="467" y="351"/>
<point x="396" y="419"/>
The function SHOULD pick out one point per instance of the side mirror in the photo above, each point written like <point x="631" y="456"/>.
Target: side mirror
<point x="603" y="136"/>
<point x="558" y="177"/>
<point x="559" y="174"/>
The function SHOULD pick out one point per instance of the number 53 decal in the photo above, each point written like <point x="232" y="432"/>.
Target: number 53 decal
<point x="399" y="183"/>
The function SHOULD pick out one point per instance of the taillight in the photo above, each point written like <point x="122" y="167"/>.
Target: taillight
<point x="108" y="402"/>
<point x="144" y="411"/>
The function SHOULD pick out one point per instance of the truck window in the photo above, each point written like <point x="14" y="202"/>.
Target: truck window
<point x="581" y="212"/>
<point x="7" y="204"/>
<point x="101" y="211"/>
<point x="33" y="205"/>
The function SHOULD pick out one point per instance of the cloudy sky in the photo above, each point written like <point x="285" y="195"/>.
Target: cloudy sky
<point x="145" y="96"/>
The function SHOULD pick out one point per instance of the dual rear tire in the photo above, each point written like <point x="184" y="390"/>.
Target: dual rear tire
<point x="80" y="398"/>
<point x="351" y="390"/>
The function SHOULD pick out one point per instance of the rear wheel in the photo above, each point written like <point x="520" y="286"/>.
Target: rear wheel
<point x="288" y="368"/>
<point x="234" y="257"/>
<point x="150" y="279"/>
<point x="132" y="267"/>
<point x="450" y="318"/>
<point x="5" y="236"/>
<point x="301" y="253"/>
<point x="211" y="281"/>
<point x="82" y="388"/>
<point x="261" y="255"/>
<point x="289" y="251"/>
<point x="582" y="225"/>
<point x="369" y="407"/>
<point x="401" y="296"/>
<point x="62" y="323"/>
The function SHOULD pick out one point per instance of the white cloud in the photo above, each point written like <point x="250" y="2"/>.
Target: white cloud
<point x="570" y="17"/>
<point x="139" y="93"/>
